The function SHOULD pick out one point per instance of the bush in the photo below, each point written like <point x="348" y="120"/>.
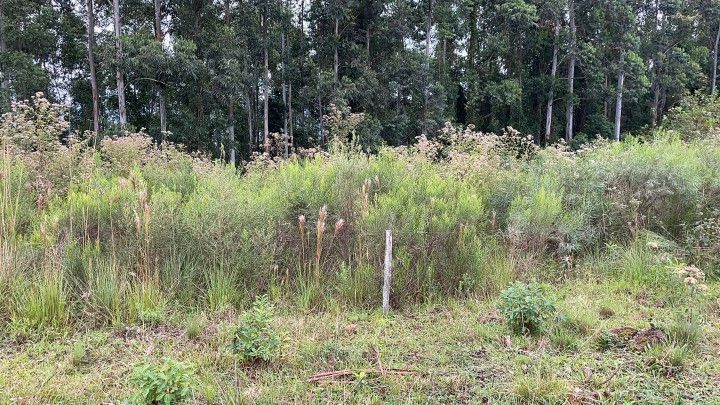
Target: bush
<point x="255" y="339"/>
<point x="170" y="382"/>
<point x="526" y="307"/>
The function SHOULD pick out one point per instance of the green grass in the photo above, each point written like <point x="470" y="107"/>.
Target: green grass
<point x="455" y="351"/>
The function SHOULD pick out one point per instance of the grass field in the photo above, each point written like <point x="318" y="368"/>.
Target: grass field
<point x="134" y="272"/>
<point x="451" y="352"/>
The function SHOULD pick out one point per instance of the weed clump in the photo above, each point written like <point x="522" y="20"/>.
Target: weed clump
<point x="527" y="307"/>
<point x="255" y="339"/>
<point x="170" y="382"/>
<point x="539" y="386"/>
<point x="667" y="360"/>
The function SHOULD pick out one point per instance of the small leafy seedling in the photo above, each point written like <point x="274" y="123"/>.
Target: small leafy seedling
<point x="170" y="382"/>
<point x="255" y="339"/>
<point x="526" y="307"/>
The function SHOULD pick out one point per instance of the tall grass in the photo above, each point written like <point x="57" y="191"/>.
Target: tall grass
<point x="137" y="225"/>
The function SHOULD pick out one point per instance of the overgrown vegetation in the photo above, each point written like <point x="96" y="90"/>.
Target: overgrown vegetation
<point x="142" y="239"/>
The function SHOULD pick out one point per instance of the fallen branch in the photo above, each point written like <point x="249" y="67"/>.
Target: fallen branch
<point x="344" y="373"/>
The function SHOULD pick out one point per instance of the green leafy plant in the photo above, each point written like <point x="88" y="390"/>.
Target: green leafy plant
<point x="78" y="354"/>
<point x="170" y="382"/>
<point x="255" y="339"/>
<point x="526" y="307"/>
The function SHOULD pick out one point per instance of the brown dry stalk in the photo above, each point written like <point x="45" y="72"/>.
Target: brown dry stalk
<point x="344" y="373"/>
<point x="322" y="217"/>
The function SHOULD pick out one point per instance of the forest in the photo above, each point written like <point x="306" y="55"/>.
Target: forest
<point x="231" y="78"/>
<point x="359" y="202"/>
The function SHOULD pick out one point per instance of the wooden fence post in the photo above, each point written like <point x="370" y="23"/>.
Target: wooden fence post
<point x="387" y="274"/>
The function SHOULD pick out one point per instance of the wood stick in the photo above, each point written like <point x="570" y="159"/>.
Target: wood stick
<point x="387" y="271"/>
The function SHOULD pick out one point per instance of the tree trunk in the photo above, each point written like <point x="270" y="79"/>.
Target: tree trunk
<point x="367" y="41"/>
<point x="4" y="83"/>
<point x="231" y="103"/>
<point x="570" y="110"/>
<point x="122" y="112"/>
<point x="321" y="135"/>
<point x="251" y="140"/>
<point x="655" y="104"/>
<point x="551" y="93"/>
<point x="619" y="97"/>
<point x="91" y="61"/>
<point x="231" y="133"/>
<point x="162" y="112"/>
<point x="474" y="36"/>
<point x="336" y="66"/>
<point x="428" y="29"/>
<point x="158" y="20"/>
<point x="290" y="112"/>
<point x="301" y="40"/>
<point x="266" y="88"/>
<point x="426" y="90"/>
<point x="656" y="70"/>
<point x="284" y="95"/>
<point x="713" y="86"/>
<point x="160" y="95"/>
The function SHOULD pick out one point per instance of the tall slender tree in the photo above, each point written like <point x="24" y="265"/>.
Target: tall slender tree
<point x="231" y="100"/>
<point x="553" y="73"/>
<point x="122" y="111"/>
<point x="162" y="112"/>
<point x="4" y="83"/>
<point x="266" y="80"/>
<point x="570" y="107"/>
<point x="91" y="62"/>
<point x="619" y="96"/>
<point x="713" y="84"/>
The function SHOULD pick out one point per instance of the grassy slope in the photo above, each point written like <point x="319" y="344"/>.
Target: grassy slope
<point x="458" y="350"/>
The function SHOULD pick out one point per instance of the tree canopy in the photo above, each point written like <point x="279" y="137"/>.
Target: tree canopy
<point x="228" y="77"/>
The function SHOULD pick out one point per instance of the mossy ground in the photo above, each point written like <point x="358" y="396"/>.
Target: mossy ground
<point x="457" y="352"/>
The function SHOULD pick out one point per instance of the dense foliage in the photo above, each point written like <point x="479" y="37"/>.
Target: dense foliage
<point x="168" y="383"/>
<point x="255" y="339"/>
<point x="121" y="230"/>
<point x="231" y="78"/>
<point x="526" y="307"/>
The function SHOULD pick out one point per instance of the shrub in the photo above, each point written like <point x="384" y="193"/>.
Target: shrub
<point x="526" y="307"/>
<point x="170" y="382"/>
<point x="358" y="286"/>
<point x="255" y="339"/>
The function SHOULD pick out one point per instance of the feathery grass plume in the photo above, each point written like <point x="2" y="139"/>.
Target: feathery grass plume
<point x="303" y="233"/>
<point x="322" y="218"/>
